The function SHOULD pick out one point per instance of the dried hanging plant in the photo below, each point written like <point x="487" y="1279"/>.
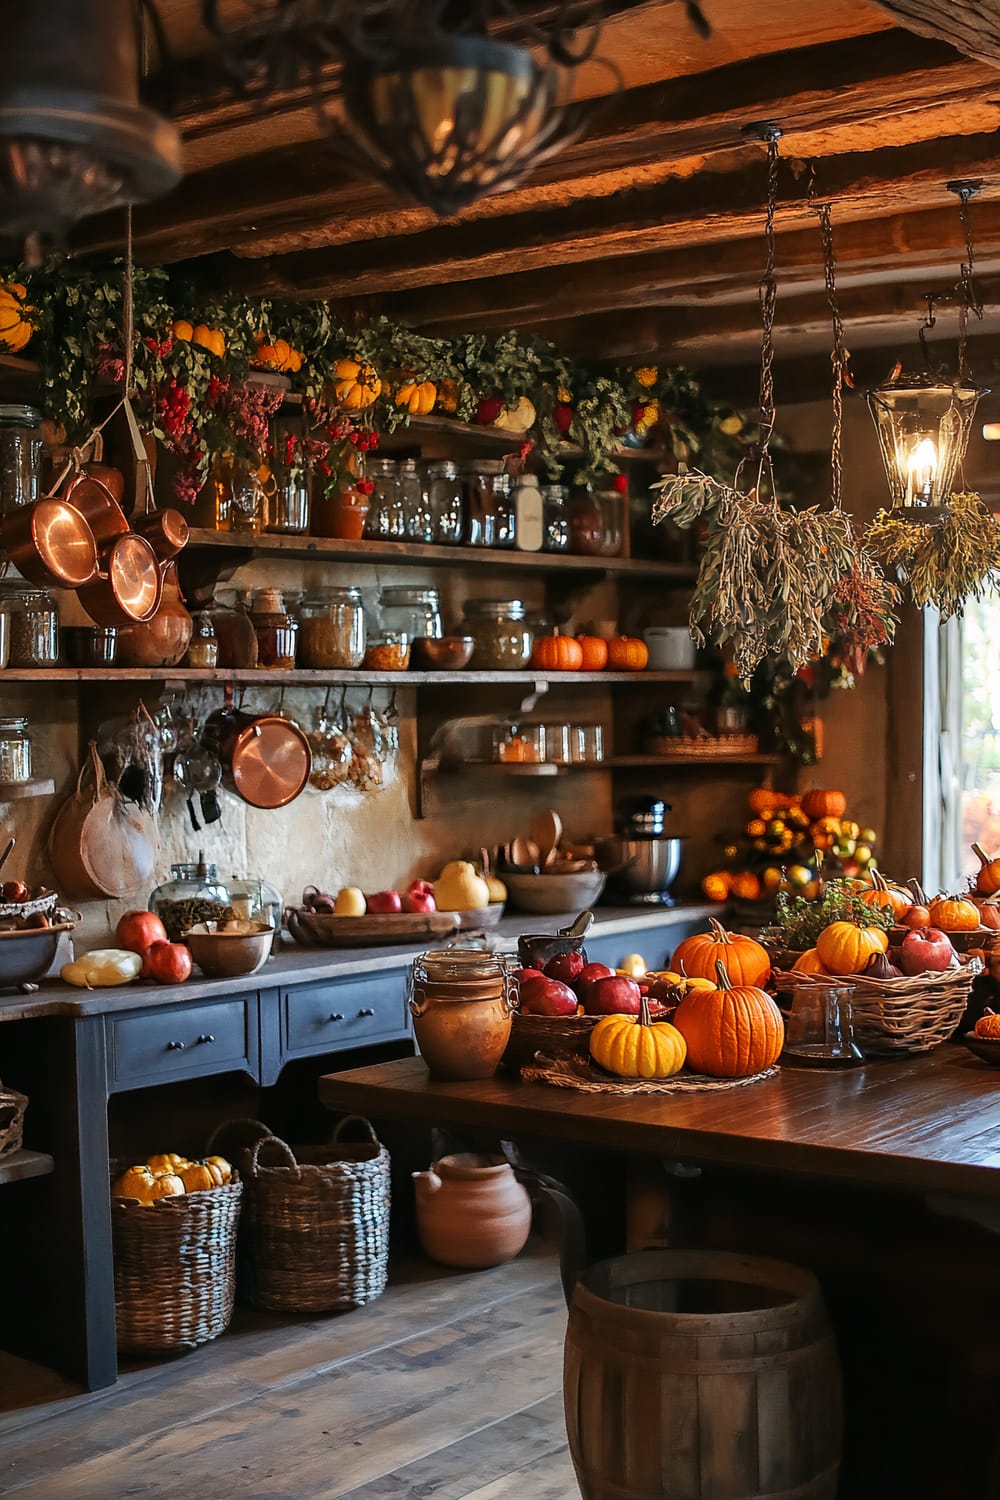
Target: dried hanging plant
<point x="943" y="565"/>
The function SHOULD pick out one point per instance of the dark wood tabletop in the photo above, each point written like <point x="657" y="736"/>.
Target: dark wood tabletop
<point x="928" y="1124"/>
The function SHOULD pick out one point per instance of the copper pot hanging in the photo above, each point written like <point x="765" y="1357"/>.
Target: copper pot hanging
<point x="51" y="544"/>
<point x="265" y="758"/>
<point x="166" y="531"/>
<point x="128" y="590"/>
<point x="96" y="502"/>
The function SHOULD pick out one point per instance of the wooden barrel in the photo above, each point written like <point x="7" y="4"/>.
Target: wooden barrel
<point x="701" y="1376"/>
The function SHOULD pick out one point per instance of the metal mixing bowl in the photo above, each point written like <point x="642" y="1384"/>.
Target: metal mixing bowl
<point x="640" y="867"/>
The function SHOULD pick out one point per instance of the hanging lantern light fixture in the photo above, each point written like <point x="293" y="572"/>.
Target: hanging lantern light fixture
<point x="924" y="418"/>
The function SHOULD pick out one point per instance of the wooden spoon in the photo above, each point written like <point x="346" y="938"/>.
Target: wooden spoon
<point x="546" y="831"/>
<point x="523" y="853"/>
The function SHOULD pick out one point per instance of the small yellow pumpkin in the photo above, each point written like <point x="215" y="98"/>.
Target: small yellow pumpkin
<point x="183" y="331"/>
<point x="134" y="1182"/>
<point x="846" y="949"/>
<point x="165" y="1162"/>
<point x="809" y="963"/>
<point x="637" y="1047"/>
<point x="222" y="1166"/>
<point x="199" y="1175"/>
<point x="954" y="914"/>
<point x="356" y="385"/>
<point x="417" y="397"/>
<point x="167" y="1185"/>
<point x="16" y="327"/>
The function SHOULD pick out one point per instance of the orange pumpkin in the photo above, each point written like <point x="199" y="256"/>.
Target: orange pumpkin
<point x="745" y="959"/>
<point x="809" y="962"/>
<point x="988" y="874"/>
<point x="731" y="1031"/>
<point x="222" y="1166"/>
<point x="846" y="949"/>
<point x="954" y="914"/>
<point x="887" y="897"/>
<point x="626" y="653"/>
<point x="820" y="803"/>
<point x="989" y="914"/>
<point x="595" y="652"/>
<point x="916" y="917"/>
<point x="198" y="1176"/>
<point x="557" y="653"/>
<point x="988" y="1026"/>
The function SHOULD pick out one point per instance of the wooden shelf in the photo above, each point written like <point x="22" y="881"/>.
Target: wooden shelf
<point x="17" y="791"/>
<point x="617" y="763"/>
<point x="260" y="677"/>
<point x="23" y="1164"/>
<point x="471" y="436"/>
<point x="757" y="758"/>
<point x="412" y="554"/>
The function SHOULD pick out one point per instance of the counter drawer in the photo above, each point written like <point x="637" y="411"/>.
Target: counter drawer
<point x="180" y="1042"/>
<point x="319" y="1018"/>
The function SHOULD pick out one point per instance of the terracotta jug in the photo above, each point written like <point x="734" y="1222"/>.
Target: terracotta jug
<point x="471" y="1211"/>
<point x="163" y="640"/>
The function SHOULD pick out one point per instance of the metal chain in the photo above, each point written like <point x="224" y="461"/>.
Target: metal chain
<point x="768" y="293"/>
<point x="839" y="356"/>
<point x="970" y="301"/>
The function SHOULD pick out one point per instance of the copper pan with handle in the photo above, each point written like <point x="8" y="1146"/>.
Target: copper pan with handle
<point x="94" y="498"/>
<point x="51" y="544"/>
<point x="127" y="591"/>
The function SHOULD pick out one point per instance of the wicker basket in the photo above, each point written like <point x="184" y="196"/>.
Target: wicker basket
<point x="315" y="1233"/>
<point x="555" y="1036"/>
<point x="12" y="1107"/>
<point x="175" y="1268"/>
<point x="900" y="1015"/>
<point x="700" y="747"/>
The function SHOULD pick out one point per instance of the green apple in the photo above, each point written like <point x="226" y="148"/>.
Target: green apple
<point x="350" y="902"/>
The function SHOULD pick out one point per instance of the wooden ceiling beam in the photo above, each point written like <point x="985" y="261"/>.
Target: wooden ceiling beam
<point x="973" y="26"/>
<point x="710" y="207"/>
<point x="307" y="193"/>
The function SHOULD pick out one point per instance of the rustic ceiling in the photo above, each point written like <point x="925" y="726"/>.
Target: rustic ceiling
<point x="645" y="237"/>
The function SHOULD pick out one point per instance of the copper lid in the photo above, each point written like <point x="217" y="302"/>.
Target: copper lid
<point x="271" y="762"/>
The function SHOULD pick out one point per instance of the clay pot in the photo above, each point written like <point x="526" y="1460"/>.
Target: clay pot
<point x="164" y="639"/>
<point x="462" y="1004"/>
<point x="471" y="1211"/>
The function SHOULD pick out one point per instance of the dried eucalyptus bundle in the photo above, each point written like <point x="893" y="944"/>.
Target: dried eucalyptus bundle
<point x="768" y="576"/>
<point x="943" y="565"/>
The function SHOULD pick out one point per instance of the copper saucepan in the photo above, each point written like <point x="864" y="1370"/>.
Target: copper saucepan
<point x="265" y="759"/>
<point x="128" y="590"/>
<point x="51" y="544"/>
<point x="165" y="530"/>
<point x="96" y="502"/>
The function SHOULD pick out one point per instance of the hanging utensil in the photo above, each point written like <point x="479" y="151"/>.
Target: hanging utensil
<point x="50" y="544"/>
<point x="98" y="506"/>
<point x="129" y="589"/>
<point x="166" y="531"/>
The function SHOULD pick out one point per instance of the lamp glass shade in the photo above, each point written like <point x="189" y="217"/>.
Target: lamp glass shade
<point x="923" y="423"/>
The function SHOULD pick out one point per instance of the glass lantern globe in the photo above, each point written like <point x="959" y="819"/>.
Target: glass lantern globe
<point x="923" y="423"/>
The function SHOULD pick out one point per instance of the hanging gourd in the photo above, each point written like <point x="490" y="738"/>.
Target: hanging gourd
<point x="16" y="326"/>
<point x="638" y="1047"/>
<point x="731" y="1031"/>
<point x="356" y="385"/>
<point x="846" y="949"/>
<point x="988" y="874"/>
<point x="954" y="914"/>
<point x="743" y="957"/>
<point x="518" y="418"/>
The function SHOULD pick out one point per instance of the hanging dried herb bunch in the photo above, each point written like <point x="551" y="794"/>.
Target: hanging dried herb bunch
<point x="943" y="565"/>
<point x="864" y="605"/>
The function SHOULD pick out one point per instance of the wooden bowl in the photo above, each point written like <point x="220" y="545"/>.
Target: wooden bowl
<point x="983" y="1046"/>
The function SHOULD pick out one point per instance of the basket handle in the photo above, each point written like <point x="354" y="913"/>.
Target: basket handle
<point x="360" y="1120"/>
<point x="258" y="1125"/>
<point x="273" y="1140"/>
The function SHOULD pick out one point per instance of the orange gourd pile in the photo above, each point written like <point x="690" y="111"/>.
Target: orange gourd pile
<point x="171" y="1176"/>
<point x="588" y="653"/>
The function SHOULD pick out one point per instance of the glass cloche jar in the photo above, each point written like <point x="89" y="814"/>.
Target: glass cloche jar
<point x="193" y="894"/>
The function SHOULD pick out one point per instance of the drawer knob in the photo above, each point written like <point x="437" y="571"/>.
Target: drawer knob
<point x="175" y="1046"/>
<point x="366" y="1012"/>
<point x="335" y="1016"/>
<point x="206" y="1037"/>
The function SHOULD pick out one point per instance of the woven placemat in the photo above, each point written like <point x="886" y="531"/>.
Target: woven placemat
<point x="580" y="1074"/>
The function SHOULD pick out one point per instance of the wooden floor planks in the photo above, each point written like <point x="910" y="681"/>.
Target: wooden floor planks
<point x="445" y="1388"/>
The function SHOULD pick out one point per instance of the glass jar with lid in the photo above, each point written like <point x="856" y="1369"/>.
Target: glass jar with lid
<point x="34" y="624"/>
<point x="519" y="744"/>
<point x="15" y="751"/>
<point x="257" y="900"/>
<point x="417" y="611"/>
<point x="413" y="497"/>
<point x="611" y="504"/>
<point x="445" y="501"/>
<point x="462" y="1001"/>
<point x="276" y="630"/>
<point x="501" y="632"/>
<point x="194" y="893"/>
<point x="332" y="629"/>
<point x="480" y="500"/>
<point x="386" y="517"/>
<point x="20" y="457"/>
<point x="555" y="518"/>
<point x="203" y="650"/>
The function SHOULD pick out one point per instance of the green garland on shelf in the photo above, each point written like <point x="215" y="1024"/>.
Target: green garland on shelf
<point x="194" y="352"/>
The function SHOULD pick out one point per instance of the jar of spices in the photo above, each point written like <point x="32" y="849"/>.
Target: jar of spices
<point x="193" y="894"/>
<point x="529" y="516"/>
<point x="20" y="457"/>
<point x="503" y="509"/>
<point x="238" y="495"/>
<point x="417" y="516"/>
<point x="203" y="651"/>
<point x="332" y="630"/>
<point x="445" y="501"/>
<point x="612" y="508"/>
<point x="15" y="751"/>
<point x="388" y="652"/>
<point x="386" y="517"/>
<point x="555" y="515"/>
<point x="34" y="624"/>
<point x="500" y="630"/>
<point x="462" y="1001"/>
<point x="276" y="630"/>
<point x="417" y="611"/>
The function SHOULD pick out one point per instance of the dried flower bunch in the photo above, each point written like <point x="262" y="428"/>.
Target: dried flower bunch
<point x="943" y="565"/>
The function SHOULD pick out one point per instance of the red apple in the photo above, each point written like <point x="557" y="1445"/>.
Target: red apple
<point x="548" y="997"/>
<point x="523" y="975"/>
<point x="588" y="975"/>
<point x="614" y="996"/>
<point x="419" y="896"/>
<point x="565" y="967"/>
<point x="927" y="949"/>
<point x="385" y="901"/>
<point x="168" y="963"/>
<point x="139" y="930"/>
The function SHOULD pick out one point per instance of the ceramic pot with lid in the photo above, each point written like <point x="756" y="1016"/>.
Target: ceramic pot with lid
<point x="471" y="1211"/>
<point x="462" y="1001"/>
